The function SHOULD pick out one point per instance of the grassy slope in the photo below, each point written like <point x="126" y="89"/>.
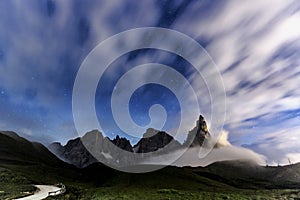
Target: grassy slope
<point x="13" y="184"/>
<point x="105" y="183"/>
<point x="168" y="183"/>
<point x="14" y="148"/>
<point x="244" y="174"/>
<point x="23" y="163"/>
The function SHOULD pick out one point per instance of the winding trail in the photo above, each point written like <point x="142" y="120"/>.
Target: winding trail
<point x="42" y="193"/>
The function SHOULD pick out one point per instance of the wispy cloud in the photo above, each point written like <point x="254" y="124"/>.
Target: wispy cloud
<point x="254" y="44"/>
<point x="280" y="147"/>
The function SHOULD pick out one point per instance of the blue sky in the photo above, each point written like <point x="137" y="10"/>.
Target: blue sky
<point x="254" y="44"/>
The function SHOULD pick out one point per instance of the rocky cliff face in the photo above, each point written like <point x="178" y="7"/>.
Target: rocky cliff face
<point x="153" y="140"/>
<point x="57" y="149"/>
<point x="103" y="148"/>
<point x="198" y="134"/>
<point x="122" y="143"/>
<point x="74" y="152"/>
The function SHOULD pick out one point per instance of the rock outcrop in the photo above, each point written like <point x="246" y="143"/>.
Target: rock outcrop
<point x="122" y="143"/>
<point x="93" y="147"/>
<point x="74" y="152"/>
<point x="198" y="134"/>
<point x="154" y="140"/>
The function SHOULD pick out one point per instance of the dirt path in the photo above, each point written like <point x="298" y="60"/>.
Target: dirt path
<point x="42" y="193"/>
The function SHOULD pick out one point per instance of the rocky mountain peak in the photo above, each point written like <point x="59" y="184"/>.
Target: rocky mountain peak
<point x="150" y="132"/>
<point x="56" y="148"/>
<point x="75" y="151"/>
<point x="122" y="143"/>
<point x="153" y="140"/>
<point x="202" y="125"/>
<point x="198" y="134"/>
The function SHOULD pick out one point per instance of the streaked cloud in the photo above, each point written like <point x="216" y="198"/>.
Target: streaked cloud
<point x="255" y="44"/>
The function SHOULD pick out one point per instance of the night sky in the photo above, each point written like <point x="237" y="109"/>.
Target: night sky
<point x="255" y="44"/>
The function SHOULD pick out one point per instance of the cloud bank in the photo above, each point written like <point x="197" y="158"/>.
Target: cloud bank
<point x="191" y="158"/>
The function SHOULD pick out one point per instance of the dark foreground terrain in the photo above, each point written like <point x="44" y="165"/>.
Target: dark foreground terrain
<point x="23" y="163"/>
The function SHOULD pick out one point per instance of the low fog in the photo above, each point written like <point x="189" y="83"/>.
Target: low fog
<point x="222" y="151"/>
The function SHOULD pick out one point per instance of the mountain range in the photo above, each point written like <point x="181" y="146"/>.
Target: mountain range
<point x="17" y="151"/>
<point x="33" y="162"/>
<point x="76" y="153"/>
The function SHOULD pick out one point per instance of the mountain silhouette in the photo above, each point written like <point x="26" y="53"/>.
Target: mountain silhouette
<point x="40" y="165"/>
<point x="76" y="153"/>
<point x="15" y="149"/>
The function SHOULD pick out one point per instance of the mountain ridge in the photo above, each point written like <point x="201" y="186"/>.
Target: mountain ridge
<point x="237" y="173"/>
<point x="76" y="153"/>
<point x="14" y="148"/>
